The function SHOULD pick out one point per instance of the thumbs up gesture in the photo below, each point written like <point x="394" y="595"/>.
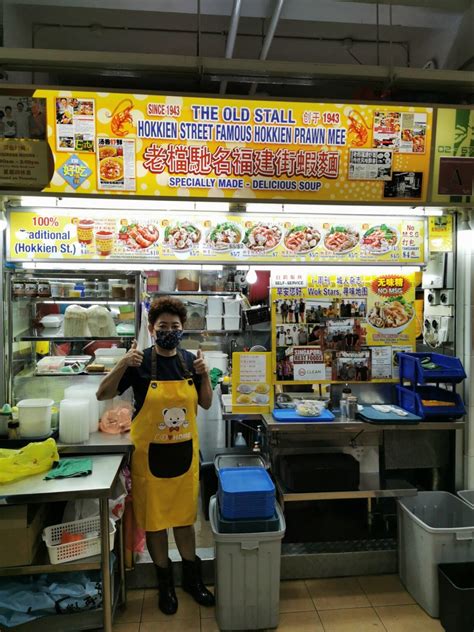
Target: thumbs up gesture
<point x="133" y="357"/>
<point x="200" y="366"/>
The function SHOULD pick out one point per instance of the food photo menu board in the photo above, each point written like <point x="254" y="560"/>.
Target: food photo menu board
<point x="343" y="328"/>
<point x="212" y="148"/>
<point x="202" y="238"/>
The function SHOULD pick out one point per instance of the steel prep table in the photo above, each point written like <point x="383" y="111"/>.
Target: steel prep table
<point x="99" y="484"/>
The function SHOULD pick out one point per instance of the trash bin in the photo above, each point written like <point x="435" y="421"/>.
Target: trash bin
<point x="247" y="583"/>
<point x="468" y="496"/>
<point x="456" y="596"/>
<point x="433" y="528"/>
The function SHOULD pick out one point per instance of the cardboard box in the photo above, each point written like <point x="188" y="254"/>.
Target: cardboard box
<point x="20" y="533"/>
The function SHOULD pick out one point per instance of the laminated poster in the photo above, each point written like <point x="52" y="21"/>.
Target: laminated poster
<point x="252" y="389"/>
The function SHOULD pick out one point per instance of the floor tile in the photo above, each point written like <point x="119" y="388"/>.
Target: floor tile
<point x="300" y="622"/>
<point x="337" y="592"/>
<point x="407" y="619"/>
<point x="133" y="612"/>
<point x="351" y="620"/>
<point x="187" y="607"/>
<point x="385" y="590"/>
<point x="126" y="627"/>
<point x="294" y="597"/>
<point x="208" y="613"/>
<point x="172" y="624"/>
<point x="209" y="625"/>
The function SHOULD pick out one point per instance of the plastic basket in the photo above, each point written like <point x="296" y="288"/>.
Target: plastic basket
<point x="90" y="546"/>
<point x="451" y="369"/>
<point x="246" y="492"/>
<point x="412" y="401"/>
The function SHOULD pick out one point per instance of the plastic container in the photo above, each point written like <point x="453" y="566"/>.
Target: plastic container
<point x="88" y="393"/>
<point x="246" y="526"/>
<point x="412" y="401"/>
<point x="34" y="416"/>
<point x="223" y="461"/>
<point x="468" y="496"/>
<point x="52" y="321"/>
<point x="217" y="360"/>
<point x="247" y="576"/>
<point x="167" y="280"/>
<point x="74" y="420"/>
<point x="90" y="546"/>
<point x="456" y="596"/>
<point x="50" y="364"/>
<point x="214" y="305"/>
<point x="246" y="492"/>
<point x="57" y="289"/>
<point x="109" y="357"/>
<point x="232" y="307"/>
<point x="410" y="368"/>
<point x="231" y="323"/>
<point x="433" y="528"/>
<point x="214" y="323"/>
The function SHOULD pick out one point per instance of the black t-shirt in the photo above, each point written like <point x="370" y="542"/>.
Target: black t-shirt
<point x="168" y="368"/>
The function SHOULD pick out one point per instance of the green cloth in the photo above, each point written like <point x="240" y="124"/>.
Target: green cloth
<point x="70" y="468"/>
<point x="215" y="375"/>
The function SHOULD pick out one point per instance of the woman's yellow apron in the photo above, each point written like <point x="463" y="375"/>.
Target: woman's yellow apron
<point x="165" y="463"/>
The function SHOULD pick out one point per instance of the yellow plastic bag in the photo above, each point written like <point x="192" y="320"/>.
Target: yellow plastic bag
<point x="34" y="458"/>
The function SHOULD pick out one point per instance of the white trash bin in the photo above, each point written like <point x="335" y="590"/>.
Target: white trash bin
<point x="247" y="581"/>
<point x="433" y="528"/>
<point x="468" y="496"/>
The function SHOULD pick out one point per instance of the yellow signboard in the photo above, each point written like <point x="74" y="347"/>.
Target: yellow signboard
<point x="170" y="146"/>
<point x="101" y="235"/>
<point x="252" y="390"/>
<point x="343" y="328"/>
<point x="441" y="233"/>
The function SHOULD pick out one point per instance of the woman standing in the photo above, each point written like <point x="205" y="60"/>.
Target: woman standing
<point x="168" y="383"/>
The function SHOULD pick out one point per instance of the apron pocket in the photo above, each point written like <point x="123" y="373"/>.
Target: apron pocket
<point x="169" y="460"/>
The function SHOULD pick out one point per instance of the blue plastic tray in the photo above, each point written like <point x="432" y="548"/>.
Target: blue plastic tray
<point x="254" y="525"/>
<point x="451" y="370"/>
<point x="245" y="492"/>
<point x="289" y="415"/>
<point x="376" y="417"/>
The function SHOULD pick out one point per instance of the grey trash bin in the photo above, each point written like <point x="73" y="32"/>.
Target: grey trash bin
<point x="247" y="583"/>
<point x="468" y="496"/>
<point x="433" y="528"/>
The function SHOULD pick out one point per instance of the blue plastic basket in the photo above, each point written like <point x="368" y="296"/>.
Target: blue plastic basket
<point x="451" y="370"/>
<point x="412" y="401"/>
<point x="245" y="492"/>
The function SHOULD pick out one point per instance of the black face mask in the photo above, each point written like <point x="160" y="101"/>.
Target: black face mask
<point x="168" y="339"/>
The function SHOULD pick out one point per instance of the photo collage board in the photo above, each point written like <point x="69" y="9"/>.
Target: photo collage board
<point x="343" y="328"/>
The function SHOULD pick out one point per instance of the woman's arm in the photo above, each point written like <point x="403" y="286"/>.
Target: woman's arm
<point x="205" y="389"/>
<point x="109" y="385"/>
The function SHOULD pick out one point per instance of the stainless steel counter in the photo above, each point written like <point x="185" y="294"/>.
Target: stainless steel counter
<point x="99" y="443"/>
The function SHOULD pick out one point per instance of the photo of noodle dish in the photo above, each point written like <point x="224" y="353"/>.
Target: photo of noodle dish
<point x="224" y="236"/>
<point x="262" y="237"/>
<point x="139" y="236"/>
<point x="302" y="239"/>
<point x="340" y="239"/>
<point x="111" y="168"/>
<point x="379" y="239"/>
<point x="182" y="236"/>
<point x="391" y="316"/>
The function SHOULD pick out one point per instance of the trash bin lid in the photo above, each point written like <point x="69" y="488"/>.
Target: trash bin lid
<point x="238" y="460"/>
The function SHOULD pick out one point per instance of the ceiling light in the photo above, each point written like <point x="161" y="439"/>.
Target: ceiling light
<point x="251" y="276"/>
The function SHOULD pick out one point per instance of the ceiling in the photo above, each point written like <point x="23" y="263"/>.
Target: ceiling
<point x="408" y="34"/>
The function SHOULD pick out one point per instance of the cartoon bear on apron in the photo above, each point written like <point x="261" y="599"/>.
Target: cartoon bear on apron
<point x="165" y="462"/>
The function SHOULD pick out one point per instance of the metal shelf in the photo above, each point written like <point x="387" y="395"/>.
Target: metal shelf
<point x="42" y="565"/>
<point x="30" y="336"/>
<point x="369" y="487"/>
<point x="49" y="300"/>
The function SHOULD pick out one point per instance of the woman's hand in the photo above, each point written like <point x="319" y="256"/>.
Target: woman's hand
<point x="200" y="366"/>
<point x="133" y="357"/>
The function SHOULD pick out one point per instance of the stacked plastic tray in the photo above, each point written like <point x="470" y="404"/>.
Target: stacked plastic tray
<point x="419" y="383"/>
<point x="245" y="493"/>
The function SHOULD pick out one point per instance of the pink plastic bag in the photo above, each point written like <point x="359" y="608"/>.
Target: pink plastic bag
<point x="117" y="420"/>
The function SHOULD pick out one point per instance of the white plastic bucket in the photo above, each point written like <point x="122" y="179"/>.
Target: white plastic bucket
<point x="214" y="305"/>
<point x="167" y="280"/>
<point x="89" y="393"/>
<point x="231" y="323"/>
<point x="74" y="420"/>
<point x="216" y="360"/>
<point x="214" y="323"/>
<point x="232" y="307"/>
<point x="34" y="416"/>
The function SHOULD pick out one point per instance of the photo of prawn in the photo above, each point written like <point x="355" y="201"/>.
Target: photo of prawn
<point x="138" y="236"/>
<point x="404" y="185"/>
<point x="352" y="366"/>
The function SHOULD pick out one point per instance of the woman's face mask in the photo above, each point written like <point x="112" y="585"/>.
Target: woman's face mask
<point x="168" y="338"/>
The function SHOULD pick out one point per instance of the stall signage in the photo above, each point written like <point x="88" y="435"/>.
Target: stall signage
<point x="453" y="166"/>
<point x="441" y="233"/>
<point x="103" y="235"/>
<point x="252" y="382"/>
<point x="343" y="328"/>
<point x="170" y="146"/>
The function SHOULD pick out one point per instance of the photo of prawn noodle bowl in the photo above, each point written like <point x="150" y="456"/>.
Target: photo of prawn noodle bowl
<point x="262" y="237"/>
<point x="341" y="239"/>
<point x="138" y="236"/>
<point x="182" y="237"/>
<point x="392" y="316"/>
<point x="302" y="239"/>
<point x="223" y="236"/>
<point x="380" y="238"/>
<point x="111" y="168"/>
<point x="107" y="152"/>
